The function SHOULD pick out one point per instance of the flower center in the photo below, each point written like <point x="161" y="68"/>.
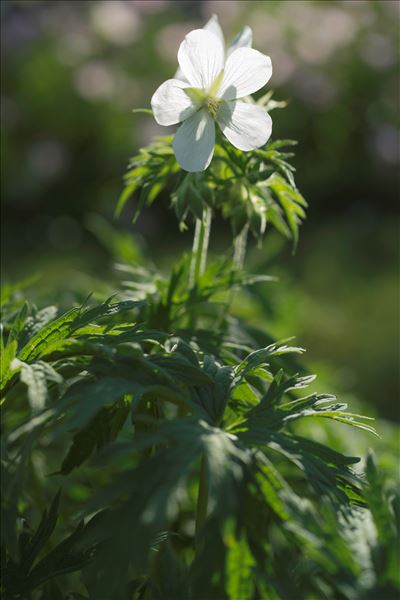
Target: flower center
<point x="203" y="99"/>
<point x="212" y="105"/>
<point x="207" y="98"/>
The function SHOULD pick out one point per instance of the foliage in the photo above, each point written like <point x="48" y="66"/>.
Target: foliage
<point x="252" y="188"/>
<point x="172" y="427"/>
<point x="53" y="53"/>
<point x="132" y="396"/>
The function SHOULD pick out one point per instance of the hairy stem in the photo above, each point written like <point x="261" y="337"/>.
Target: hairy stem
<point x="202" y="501"/>
<point x="240" y="244"/>
<point x="198" y="233"/>
<point x="200" y="246"/>
<point x="239" y="253"/>
<point x="206" y="238"/>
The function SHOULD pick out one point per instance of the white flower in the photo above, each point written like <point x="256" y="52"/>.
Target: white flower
<point x="244" y="39"/>
<point x="211" y="92"/>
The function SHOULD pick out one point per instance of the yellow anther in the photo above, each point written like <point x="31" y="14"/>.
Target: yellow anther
<point x="213" y="105"/>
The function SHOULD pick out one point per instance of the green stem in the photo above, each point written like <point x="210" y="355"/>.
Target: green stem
<point x="195" y="251"/>
<point x="240" y="244"/>
<point x="200" y="246"/>
<point x="239" y="253"/>
<point x="202" y="501"/>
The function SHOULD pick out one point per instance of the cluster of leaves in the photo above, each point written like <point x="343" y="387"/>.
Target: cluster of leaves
<point x="176" y="445"/>
<point x="32" y="569"/>
<point x="128" y="403"/>
<point x="253" y="188"/>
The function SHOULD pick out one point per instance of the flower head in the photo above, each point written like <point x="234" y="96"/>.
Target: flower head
<point x="208" y="93"/>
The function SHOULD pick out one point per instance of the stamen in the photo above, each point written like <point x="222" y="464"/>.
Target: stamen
<point x="213" y="105"/>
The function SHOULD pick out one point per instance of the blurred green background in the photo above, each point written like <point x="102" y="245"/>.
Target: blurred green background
<point x="73" y="72"/>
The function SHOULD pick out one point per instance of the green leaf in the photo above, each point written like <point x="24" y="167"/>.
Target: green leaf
<point x="239" y="570"/>
<point x="37" y="378"/>
<point x="66" y="557"/>
<point x="85" y="398"/>
<point x="172" y="573"/>
<point x="36" y="321"/>
<point x="271" y="486"/>
<point x="290" y="199"/>
<point x="31" y="546"/>
<point x="103" y="429"/>
<point x="19" y="323"/>
<point x="261" y="357"/>
<point x="70" y="322"/>
<point x="7" y="367"/>
<point x="150" y="172"/>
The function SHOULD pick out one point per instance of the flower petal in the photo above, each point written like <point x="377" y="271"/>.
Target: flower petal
<point x="194" y="142"/>
<point x="179" y="75"/>
<point x="201" y="58"/>
<point x="171" y="104"/>
<point x="244" y="39"/>
<point x="246" y="71"/>
<point x="215" y="28"/>
<point x="247" y="126"/>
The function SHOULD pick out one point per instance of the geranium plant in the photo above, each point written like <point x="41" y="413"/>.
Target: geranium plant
<point x="168" y="424"/>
